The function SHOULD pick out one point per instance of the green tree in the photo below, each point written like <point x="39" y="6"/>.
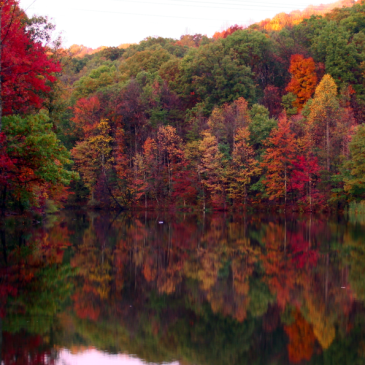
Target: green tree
<point x="212" y="75"/>
<point x="355" y="182"/>
<point x="148" y="61"/>
<point x="288" y="102"/>
<point x="38" y="159"/>
<point x="335" y="47"/>
<point x="260" y="127"/>
<point x="98" y="78"/>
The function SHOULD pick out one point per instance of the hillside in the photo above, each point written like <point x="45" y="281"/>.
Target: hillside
<point x="254" y="117"/>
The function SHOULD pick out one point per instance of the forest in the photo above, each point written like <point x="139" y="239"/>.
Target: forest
<point x="269" y="116"/>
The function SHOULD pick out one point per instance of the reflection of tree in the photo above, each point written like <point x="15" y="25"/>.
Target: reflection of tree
<point x="93" y="262"/>
<point x="23" y="349"/>
<point x="301" y="339"/>
<point x="323" y="324"/>
<point x="40" y="285"/>
<point x="280" y="274"/>
<point x="354" y="244"/>
<point x="209" y="291"/>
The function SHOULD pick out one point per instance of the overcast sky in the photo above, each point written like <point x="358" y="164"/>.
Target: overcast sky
<point x="95" y="23"/>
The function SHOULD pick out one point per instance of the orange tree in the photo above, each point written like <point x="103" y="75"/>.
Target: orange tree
<point x="304" y="79"/>
<point x="278" y="160"/>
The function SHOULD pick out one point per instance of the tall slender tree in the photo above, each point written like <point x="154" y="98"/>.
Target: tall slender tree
<point x="323" y="117"/>
<point x="244" y="166"/>
<point x="278" y="160"/>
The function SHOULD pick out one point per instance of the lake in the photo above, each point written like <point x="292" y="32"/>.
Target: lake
<point x="85" y="288"/>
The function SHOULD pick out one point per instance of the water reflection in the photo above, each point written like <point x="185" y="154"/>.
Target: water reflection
<point x="196" y="289"/>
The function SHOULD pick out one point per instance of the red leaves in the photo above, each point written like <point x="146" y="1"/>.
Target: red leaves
<point x="87" y="115"/>
<point x="26" y="67"/>
<point x="304" y="181"/>
<point x="272" y="100"/>
<point x="279" y="159"/>
<point x="228" y="31"/>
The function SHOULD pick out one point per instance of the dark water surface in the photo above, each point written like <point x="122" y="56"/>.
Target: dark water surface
<point x="91" y="288"/>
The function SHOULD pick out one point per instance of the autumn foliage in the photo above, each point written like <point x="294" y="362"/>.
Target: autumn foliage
<point x="27" y="69"/>
<point x="304" y="79"/>
<point x="251" y="117"/>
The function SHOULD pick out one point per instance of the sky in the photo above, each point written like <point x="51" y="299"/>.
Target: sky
<point x="95" y="23"/>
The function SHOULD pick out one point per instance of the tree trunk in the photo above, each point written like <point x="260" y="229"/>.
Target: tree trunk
<point x="328" y="145"/>
<point x="245" y="196"/>
<point x="1" y="48"/>
<point x="1" y="338"/>
<point x="285" y="186"/>
<point x="135" y="141"/>
<point x="108" y="188"/>
<point x="310" y="193"/>
<point x="3" y="203"/>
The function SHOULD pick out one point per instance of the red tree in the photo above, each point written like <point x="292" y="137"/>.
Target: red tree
<point x="26" y="68"/>
<point x="278" y="160"/>
<point x="272" y="100"/>
<point x="86" y="115"/>
<point x="304" y="181"/>
<point x="228" y="31"/>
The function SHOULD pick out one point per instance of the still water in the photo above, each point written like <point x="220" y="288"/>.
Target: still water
<point x="91" y="288"/>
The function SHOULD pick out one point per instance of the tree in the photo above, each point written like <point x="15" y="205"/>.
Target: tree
<point x="305" y="179"/>
<point x="132" y="107"/>
<point x="97" y="79"/>
<point x="260" y="126"/>
<point x="35" y="160"/>
<point x="227" y="32"/>
<point x="335" y="47"/>
<point x="355" y="182"/>
<point x="123" y="185"/>
<point x="304" y="79"/>
<point x="272" y="100"/>
<point x="256" y="50"/>
<point x="225" y="120"/>
<point x="278" y="160"/>
<point x="93" y="159"/>
<point x="324" y="113"/>
<point x="169" y="146"/>
<point x="147" y="60"/>
<point x="243" y="166"/>
<point x="213" y="75"/>
<point x="211" y="169"/>
<point x="25" y="68"/>
<point x="86" y="116"/>
<point x="288" y="102"/>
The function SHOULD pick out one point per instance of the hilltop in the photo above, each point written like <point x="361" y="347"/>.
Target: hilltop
<point x="278" y="22"/>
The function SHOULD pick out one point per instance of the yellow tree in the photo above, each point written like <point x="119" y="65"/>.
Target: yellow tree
<point x="211" y="170"/>
<point x="93" y="158"/>
<point x="243" y="166"/>
<point x="225" y="120"/>
<point x="170" y="151"/>
<point x="323" y="117"/>
<point x="122" y="187"/>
